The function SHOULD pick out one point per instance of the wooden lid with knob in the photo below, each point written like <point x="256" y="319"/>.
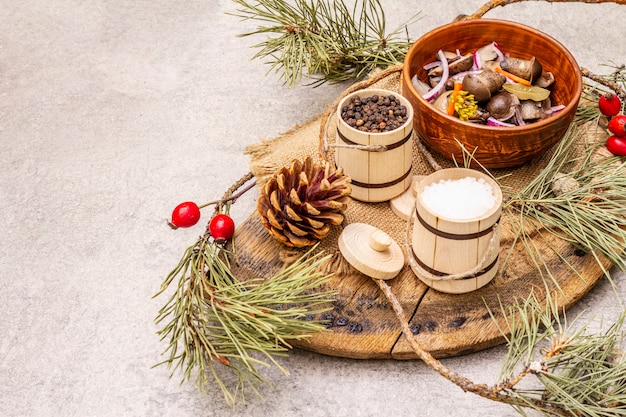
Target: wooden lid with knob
<point x="371" y="251"/>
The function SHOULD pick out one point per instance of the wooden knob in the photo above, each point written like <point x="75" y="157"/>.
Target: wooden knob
<point x="371" y="251"/>
<point x="379" y="240"/>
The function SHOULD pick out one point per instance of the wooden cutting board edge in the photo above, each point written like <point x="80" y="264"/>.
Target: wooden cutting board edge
<point x="369" y="329"/>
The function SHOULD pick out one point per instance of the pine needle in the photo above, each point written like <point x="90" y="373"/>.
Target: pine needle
<point x="218" y="324"/>
<point x="324" y="39"/>
<point x="592" y="216"/>
<point x="575" y="372"/>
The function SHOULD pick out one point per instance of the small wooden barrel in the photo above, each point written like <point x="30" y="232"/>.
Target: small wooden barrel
<point x="377" y="175"/>
<point x="453" y="253"/>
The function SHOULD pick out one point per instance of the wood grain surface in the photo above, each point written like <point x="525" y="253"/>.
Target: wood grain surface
<point x="362" y="324"/>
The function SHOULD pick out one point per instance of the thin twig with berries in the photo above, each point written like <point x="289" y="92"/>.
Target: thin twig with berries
<point x="216" y="324"/>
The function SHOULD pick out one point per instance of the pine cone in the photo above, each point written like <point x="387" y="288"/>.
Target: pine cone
<point x="300" y="202"/>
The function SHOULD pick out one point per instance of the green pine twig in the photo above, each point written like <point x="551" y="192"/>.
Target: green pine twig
<point x="592" y="216"/>
<point x="215" y="324"/>
<point x="576" y="372"/>
<point x="324" y="39"/>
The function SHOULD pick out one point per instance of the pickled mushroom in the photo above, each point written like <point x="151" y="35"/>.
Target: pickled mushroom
<point x="441" y="103"/>
<point x="483" y="85"/>
<point x="421" y="87"/>
<point x="488" y="52"/>
<point x="502" y="106"/>
<point x="545" y="80"/>
<point x="487" y="55"/>
<point x="528" y="69"/>
<point x="533" y="110"/>
<point x="461" y="64"/>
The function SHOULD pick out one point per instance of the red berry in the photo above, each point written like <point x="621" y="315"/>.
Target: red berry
<point x="185" y="215"/>
<point x="617" y="125"/>
<point x="610" y="105"/>
<point x="616" y="145"/>
<point x="222" y="227"/>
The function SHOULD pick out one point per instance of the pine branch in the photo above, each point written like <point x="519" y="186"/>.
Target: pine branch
<point x="591" y="216"/>
<point x="492" y="4"/>
<point x="616" y="81"/>
<point x="324" y="39"/>
<point x="215" y="324"/>
<point x="501" y="392"/>
<point x="581" y="373"/>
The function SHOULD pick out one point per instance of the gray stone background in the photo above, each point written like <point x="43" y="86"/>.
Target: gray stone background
<point x="111" y="113"/>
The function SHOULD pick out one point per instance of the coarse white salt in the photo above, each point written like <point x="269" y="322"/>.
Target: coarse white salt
<point x="460" y="199"/>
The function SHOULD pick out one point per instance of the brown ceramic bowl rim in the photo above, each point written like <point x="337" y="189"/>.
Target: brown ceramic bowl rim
<point x="569" y="107"/>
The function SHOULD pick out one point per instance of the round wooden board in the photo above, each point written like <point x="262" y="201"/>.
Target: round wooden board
<point x="362" y="324"/>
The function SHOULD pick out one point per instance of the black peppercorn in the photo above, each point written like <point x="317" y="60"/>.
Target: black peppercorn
<point x="341" y="321"/>
<point x="354" y="327"/>
<point x="328" y="320"/>
<point x="374" y="114"/>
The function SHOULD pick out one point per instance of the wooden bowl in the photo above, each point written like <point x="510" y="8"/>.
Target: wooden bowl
<point x="493" y="147"/>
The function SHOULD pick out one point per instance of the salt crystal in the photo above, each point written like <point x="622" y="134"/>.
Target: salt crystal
<point x="461" y="199"/>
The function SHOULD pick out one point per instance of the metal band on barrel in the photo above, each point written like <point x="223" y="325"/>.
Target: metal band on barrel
<point x="388" y="147"/>
<point x="454" y="236"/>
<point x="383" y="185"/>
<point x="441" y="274"/>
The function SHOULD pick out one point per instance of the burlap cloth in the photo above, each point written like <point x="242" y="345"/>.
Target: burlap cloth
<point x="313" y="137"/>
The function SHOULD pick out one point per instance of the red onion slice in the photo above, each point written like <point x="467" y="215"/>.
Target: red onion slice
<point x="459" y="76"/>
<point x="431" y="65"/>
<point x="555" y="109"/>
<point x="477" y="62"/>
<point x="498" y="51"/>
<point x="492" y="121"/>
<point x="444" y="77"/>
<point x="519" y="120"/>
